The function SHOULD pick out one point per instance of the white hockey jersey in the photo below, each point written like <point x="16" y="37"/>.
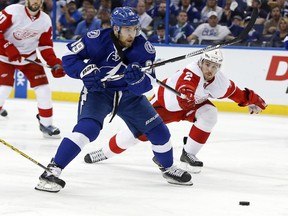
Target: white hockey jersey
<point x="26" y="32"/>
<point x="218" y="87"/>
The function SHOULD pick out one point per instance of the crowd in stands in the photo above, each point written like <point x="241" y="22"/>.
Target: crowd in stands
<point x="190" y="21"/>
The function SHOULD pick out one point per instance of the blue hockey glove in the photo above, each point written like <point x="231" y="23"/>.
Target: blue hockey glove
<point x="133" y="74"/>
<point x="91" y="79"/>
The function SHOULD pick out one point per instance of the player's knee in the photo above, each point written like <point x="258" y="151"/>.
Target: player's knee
<point x="159" y="134"/>
<point x="206" y="117"/>
<point x="89" y="127"/>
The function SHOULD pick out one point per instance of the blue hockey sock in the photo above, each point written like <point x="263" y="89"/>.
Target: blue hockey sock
<point x="66" y="152"/>
<point x="166" y="158"/>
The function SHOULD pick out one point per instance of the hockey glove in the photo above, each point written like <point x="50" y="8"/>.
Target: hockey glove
<point x="90" y="78"/>
<point x="189" y="102"/>
<point x="57" y="71"/>
<point x="254" y="102"/>
<point x="133" y="74"/>
<point x="12" y="52"/>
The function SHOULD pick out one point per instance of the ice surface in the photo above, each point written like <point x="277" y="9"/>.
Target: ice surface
<point x="245" y="159"/>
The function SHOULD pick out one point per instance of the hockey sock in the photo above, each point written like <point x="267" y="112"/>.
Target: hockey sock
<point x="66" y="152"/>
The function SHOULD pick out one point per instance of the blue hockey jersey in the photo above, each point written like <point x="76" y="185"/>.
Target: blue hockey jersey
<point x="97" y="47"/>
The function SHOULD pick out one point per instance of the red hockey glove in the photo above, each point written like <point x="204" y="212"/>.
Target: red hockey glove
<point x="254" y="102"/>
<point x="12" y="52"/>
<point x="189" y="102"/>
<point x="57" y="71"/>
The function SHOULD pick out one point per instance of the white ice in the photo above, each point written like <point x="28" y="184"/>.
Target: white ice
<point x="245" y="159"/>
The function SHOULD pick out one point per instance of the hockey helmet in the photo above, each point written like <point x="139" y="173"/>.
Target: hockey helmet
<point x="124" y="16"/>
<point x="213" y="56"/>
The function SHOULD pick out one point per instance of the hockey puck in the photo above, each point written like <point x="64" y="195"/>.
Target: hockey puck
<point x="244" y="203"/>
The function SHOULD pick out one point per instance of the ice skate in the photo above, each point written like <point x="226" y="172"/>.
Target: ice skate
<point x="51" y="131"/>
<point x="94" y="157"/>
<point x="3" y="113"/>
<point x="190" y="162"/>
<point x="174" y="175"/>
<point x="50" y="182"/>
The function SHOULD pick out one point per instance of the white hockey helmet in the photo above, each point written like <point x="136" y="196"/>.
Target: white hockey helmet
<point x="213" y="56"/>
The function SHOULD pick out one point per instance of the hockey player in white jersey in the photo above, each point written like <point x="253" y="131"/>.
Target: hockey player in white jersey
<point x="200" y="81"/>
<point x="23" y="29"/>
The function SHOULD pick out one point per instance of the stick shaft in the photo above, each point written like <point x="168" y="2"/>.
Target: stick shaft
<point x="24" y="155"/>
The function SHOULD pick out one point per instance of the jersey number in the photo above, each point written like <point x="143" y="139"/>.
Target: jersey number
<point x="188" y="76"/>
<point x="3" y="17"/>
<point x="77" y="46"/>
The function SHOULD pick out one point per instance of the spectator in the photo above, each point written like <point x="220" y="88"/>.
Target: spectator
<point x="182" y="29"/>
<point x="230" y="10"/>
<point x="90" y="23"/>
<point x="130" y="3"/>
<point x="105" y="5"/>
<point x="159" y="37"/>
<point x="194" y="15"/>
<point x="150" y="7"/>
<point x="281" y="33"/>
<point x="104" y="15"/>
<point x="85" y="5"/>
<point x="160" y="17"/>
<point x="144" y="19"/>
<point x="210" y="32"/>
<point x="211" y="5"/>
<point x="236" y="27"/>
<point x="262" y="14"/>
<point x="270" y="26"/>
<point x="69" y="20"/>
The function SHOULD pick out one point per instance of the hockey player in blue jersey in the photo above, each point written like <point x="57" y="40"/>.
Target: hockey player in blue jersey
<point x="97" y="56"/>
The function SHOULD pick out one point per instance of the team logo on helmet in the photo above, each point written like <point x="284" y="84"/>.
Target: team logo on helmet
<point x="93" y="34"/>
<point x="149" y="47"/>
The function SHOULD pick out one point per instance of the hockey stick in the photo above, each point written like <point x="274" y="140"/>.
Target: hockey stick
<point x="240" y="37"/>
<point x="38" y="63"/>
<point x="24" y="155"/>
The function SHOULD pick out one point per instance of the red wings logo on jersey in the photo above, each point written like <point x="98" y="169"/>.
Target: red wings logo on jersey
<point x="21" y="34"/>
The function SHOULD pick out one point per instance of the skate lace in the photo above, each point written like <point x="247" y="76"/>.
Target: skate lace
<point x="97" y="155"/>
<point x="175" y="171"/>
<point x="56" y="171"/>
<point x="192" y="157"/>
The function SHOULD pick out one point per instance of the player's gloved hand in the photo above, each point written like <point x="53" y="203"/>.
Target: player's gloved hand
<point x="58" y="71"/>
<point x="254" y="102"/>
<point x="91" y="79"/>
<point x="189" y="102"/>
<point x="12" y="52"/>
<point x="133" y="74"/>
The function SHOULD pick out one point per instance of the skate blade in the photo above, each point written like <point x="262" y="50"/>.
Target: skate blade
<point x="171" y="181"/>
<point x="46" y="186"/>
<point x="190" y="169"/>
<point x="52" y="137"/>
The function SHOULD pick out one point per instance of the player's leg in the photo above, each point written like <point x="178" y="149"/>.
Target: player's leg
<point x="121" y="141"/>
<point x="87" y="129"/>
<point x="141" y="118"/>
<point x="6" y="85"/>
<point x="39" y="82"/>
<point x="205" y="120"/>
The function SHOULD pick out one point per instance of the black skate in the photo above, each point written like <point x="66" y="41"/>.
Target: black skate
<point x="174" y="175"/>
<point x="50" y="182"/>
<point x="50" y="131"/>
<point x="190" y="162"/>
<point x="3" y="113"/>
<point x="94" y="157"/>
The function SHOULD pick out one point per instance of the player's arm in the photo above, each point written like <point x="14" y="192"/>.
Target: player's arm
<point x="45" y="47"/>
<point x="10" y="50"/>
<point x="187" y="84"/>
<point x="139" y="82"/>
<point x="246" y="97"/>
